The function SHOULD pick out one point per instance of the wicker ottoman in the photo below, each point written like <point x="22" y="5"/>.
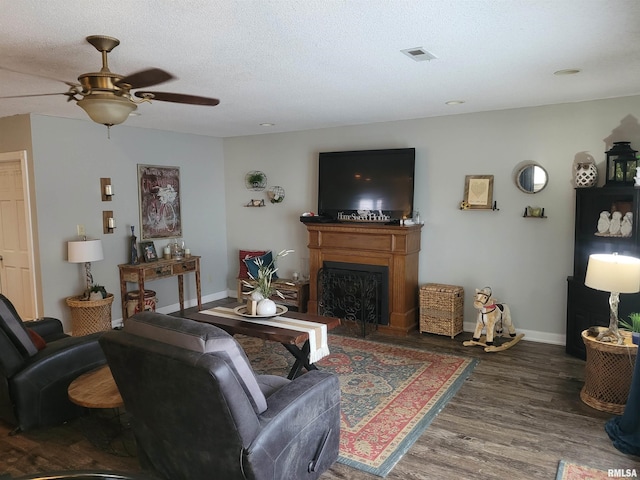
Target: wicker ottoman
<point x="441" y="309"/>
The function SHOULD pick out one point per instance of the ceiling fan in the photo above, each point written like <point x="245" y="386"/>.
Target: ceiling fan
<point x="107" y="96"/>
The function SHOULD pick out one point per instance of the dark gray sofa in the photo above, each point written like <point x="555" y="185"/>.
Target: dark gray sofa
<point x="199" y="411"/>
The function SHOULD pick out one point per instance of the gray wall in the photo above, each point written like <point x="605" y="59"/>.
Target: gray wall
<point x="69" y="158"/>
<point x="525" y="261"/>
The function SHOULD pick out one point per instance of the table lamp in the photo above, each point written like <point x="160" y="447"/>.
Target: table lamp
<point x="85" y="251"/>
<point x="615" y="274"/>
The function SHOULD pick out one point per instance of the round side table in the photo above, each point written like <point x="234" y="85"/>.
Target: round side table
<point x="608" y="373"/>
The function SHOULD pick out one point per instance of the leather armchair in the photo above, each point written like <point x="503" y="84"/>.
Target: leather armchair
<point x="198" y="411"/>
<point x="38" y="361"/>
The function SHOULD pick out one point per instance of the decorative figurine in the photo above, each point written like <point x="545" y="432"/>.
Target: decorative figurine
<point x="492" y="317"/>
<point x="614" y="226"/>
<point x="604" y="222"/>
<point x="627" y="224"/>
<point x="133" y="249"/>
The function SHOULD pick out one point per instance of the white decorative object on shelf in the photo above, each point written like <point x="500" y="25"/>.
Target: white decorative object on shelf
<point x="586" y="175"/>
<point x="627" y="224"/>
<point x="604" y="222"/>
<point x="614" y="226"/>
<point x="364" y="216"/>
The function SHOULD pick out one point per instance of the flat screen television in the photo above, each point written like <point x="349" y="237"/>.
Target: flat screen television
<point x="366" y="180"/>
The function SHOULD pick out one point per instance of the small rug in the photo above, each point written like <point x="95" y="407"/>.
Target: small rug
<point x="573" y="471"/>
<point x="390" y="394"/>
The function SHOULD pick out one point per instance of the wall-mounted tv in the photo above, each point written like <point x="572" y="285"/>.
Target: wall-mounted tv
<point x="366" y="180"/>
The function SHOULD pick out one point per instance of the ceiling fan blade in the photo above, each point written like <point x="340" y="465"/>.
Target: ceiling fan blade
<point x="146" y="78"/>
<point x="179" y="98"/>
<point x="35" y="95"/>
<point x="71" y="84"/>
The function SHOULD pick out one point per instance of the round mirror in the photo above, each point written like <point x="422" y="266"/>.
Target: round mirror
<point x="532" y="178"/>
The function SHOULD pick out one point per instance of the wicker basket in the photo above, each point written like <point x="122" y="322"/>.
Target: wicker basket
<point x="90" y="316"/>
<point x="441" y="309"/>
<point x="608" y="373"/>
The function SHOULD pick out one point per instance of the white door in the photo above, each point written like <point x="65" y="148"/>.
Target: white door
<point x="17" y="277"/>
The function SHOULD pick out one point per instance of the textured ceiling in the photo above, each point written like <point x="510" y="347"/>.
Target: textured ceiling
<point x="320" y="63"/>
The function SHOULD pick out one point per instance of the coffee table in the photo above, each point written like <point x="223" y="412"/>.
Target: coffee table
<point x="289" y="338"/>
<point x="96" y="389"/>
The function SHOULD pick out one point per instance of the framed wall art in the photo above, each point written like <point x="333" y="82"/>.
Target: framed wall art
<point x="159" y="200"/>
<point x="478" y="191"/>
<point x="148" y="251"/>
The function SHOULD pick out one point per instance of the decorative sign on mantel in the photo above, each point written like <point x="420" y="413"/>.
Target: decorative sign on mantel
<point x="364" y="216"/>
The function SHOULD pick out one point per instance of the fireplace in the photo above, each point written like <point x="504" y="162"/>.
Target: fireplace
<point x="394" y="247"/>
<point x="354" y="292"/>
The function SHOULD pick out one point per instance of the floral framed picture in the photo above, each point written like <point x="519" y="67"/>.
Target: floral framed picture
<point x="478" y="191"/>
<point x="148" y="251"/>
<point x="159" y="200"/>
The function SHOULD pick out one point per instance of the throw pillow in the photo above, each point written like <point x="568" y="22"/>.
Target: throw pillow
<point x="244" y="254"/>
<point x="252" y="266"/>
<point x="37" y="340"/>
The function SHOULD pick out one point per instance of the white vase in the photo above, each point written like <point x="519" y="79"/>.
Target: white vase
<point x="266" y="307"/>
<point x="586" y="175"/>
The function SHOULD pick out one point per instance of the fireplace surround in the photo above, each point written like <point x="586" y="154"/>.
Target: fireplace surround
<point x="396" y="247"/>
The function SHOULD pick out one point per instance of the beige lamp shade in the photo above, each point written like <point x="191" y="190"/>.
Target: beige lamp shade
<point x="107" y="109"/>
<point x="613" y="273"/>
<point x="83" y="251"/>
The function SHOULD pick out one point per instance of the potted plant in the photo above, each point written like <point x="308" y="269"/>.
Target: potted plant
<point x="97" y="292"/>
<point x="256" y="180"/>
<point x="633" y="325"/>
<point x="264" y="285"/>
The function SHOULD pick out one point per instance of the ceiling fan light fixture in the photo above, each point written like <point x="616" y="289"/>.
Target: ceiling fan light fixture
<point x="107" y="109"/>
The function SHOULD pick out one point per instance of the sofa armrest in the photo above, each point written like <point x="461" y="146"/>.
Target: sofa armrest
<point x="305" y="412"/>
<point x="48" y="328"/>
<point x="39" y="389"/>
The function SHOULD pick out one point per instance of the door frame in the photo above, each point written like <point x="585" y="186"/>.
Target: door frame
<point x="21" y="155"/>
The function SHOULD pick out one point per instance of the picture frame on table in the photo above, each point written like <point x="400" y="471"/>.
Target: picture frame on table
<point x="149" y="251"/>
<point x="478" y="192"/>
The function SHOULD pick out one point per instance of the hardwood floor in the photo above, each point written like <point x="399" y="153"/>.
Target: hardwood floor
<point x="516" y="416"/>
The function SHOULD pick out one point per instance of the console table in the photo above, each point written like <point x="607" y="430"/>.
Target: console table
<point x="142" y="272"/>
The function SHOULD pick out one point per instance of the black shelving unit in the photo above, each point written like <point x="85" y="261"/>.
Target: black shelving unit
<point x="587" y="307"/>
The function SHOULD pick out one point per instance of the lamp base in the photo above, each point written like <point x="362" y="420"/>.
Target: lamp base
<point x="612" y="334"/>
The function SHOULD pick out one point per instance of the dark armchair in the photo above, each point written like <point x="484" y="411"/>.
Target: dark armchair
<point x="199" y="412"/>
<point x="38" y="361"/>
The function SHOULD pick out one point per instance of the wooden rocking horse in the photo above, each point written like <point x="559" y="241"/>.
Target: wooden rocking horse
<point x="493" y="317"/>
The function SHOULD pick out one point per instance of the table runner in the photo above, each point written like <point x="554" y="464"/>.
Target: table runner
<point x="318" y="346"/>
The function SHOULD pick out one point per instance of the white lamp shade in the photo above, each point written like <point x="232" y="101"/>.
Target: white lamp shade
<point x="613" y="273"/>
<point x="83" y="251"/>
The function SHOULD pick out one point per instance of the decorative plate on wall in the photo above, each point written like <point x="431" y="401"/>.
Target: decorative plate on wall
<point x="255" y="180"/>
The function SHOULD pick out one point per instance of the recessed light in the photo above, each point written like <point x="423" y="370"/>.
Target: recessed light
<point x="267" y="124"/>
<point x="454" y="102"/>
<point x="418" y="54"/>
<point x="567" y="71"/>
<point x="135" y="114"/>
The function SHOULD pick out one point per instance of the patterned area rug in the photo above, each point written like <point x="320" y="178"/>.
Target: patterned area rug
<point x="573" y="471"/>
<point x="390" y="394"/>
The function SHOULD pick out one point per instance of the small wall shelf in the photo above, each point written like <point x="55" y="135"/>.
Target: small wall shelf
<point x="528" y="212"/>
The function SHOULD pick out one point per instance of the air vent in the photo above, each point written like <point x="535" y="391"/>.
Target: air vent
<point x="419" y="54"/>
